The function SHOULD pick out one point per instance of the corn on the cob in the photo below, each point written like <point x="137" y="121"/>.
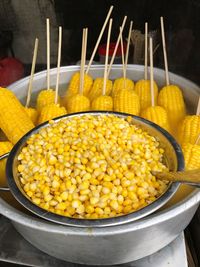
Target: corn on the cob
<point x="103" y="102"/>
<point x="14" y="121"/>
<point x="78" y="103"/>
<point x="45" y="98"/>
<point x="5" y="147"/>
<point x="50" y="112"/>
<point x="122" y="83"/>
<point x="75" y="84"/>
<point x="192" y="156"/>
<point x="142" y="88"/>
<point x="157" y="115"/>
<point x="189" y="129"/>
<point x="96" y="89"/>
<point x="127" y="101"/>
<point x="170" y="97"/>
<point x="33" y="114"/>
<point x="66" y="98"/>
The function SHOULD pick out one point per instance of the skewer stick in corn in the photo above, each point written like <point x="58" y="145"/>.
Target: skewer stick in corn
<point x="123" y="83"/>
<point x="198" y="107"/>
<point x="30" y="86"/>
<point x="104" y="102"/>
<point x="58" y="63"/>
<point x="32" y="112"/>
<point x="117" y="44"/>
<point x="54" y="110"/>
<point x="164" y="51"/>
<point x="146" y="51"/>
<point x="128" y="46"/>
<point x="48" y="53"/>
<point x="154" y="113"/>
<point x="47" y="96"/>
<point x="151" y="72"/>
<point x="79" y="102"/>
<point x="99" y="39"/>
<point x="198" y="139"/>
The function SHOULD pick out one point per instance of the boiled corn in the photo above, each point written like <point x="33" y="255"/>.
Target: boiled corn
<point x="78" y="103"/>
<point x="192" y="156"/>
<point x="122" y="83"/>
<point x="157" y="115"/>
<point x="51" y="111"/>
<point x="170" y="97"/>
<point x="142" y="88"/>
<point x="33" y="114"/>
<point x="103" y="102"/>
<point x="45" y="98"/>
<point x="189" y="129"/>
<point x="5" y="147"/>
<point x="14" y="121"/>
<point x="97" y="86"/>
<point x="126" y="101"/>
<point x="75" y="84"/>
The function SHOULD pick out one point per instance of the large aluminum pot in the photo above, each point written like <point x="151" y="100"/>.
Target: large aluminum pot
<point x="107" y="245"/>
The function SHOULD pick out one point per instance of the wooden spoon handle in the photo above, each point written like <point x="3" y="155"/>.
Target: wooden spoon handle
<point x="191" y="177"/>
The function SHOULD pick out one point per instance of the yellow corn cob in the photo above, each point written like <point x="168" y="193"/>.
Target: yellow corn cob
<point x="96" y="89"/>
<point x="157" y="115"/>
<point x="66" y="98"/>
<point x="14" y="121"/>
<point x="127" y="101"/>
<point x="75" y="83"/>
<point x="78" y="103"/>
<point x="5" y="147"/>
<point x="50" y="112"/>
<point x="33" y="114"/>
<point x="122" y="83"/>
<point x="45" y="98"/>
<point x="142" y="88"/>
<point x="171" y="98"/>
<point x="192" y="156"/>
<point x="103" y="102"/>
<point x="189" y="129"/>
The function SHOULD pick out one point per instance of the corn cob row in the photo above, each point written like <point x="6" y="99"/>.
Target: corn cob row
<point x="189" y="129"/>
<point x="142" y="88"/>
<point x="50" y="112"/>
<point x="103" y="102"/>
<point x="46" y="97"/>
<point x="97" y="86"/>
<point x="170" y="97"/>
<point x="192" y="156"/>
<point x="122" y="83"/>
<point x="14" y="121"/>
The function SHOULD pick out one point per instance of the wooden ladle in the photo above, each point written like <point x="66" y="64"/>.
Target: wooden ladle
<point x="191" y="177"/>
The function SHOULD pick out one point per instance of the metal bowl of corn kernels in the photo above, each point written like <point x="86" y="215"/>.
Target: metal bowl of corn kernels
<point x="102" y="193"/>
<point x="115" y="244"/>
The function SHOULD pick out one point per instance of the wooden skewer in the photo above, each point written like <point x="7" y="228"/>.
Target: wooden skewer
<point x="190" y="176"/>
<point x="30" y="86"/>
<point x="117" y="43"/>
<point x="83" y="55"/>
<point x="58" y="63"/>
<point x="198" y="139"/>
<point x="151" y="72"/>
<point x="164" y="51"/>
<point x="146" y="51"/>
<point x="198" y="107"/>
<point x="123" y="63"/>
<point x="48" y="54"/>
<point x="128" y="46"/>
<point x="99" y="39"/>
<point x="106" y="59"/>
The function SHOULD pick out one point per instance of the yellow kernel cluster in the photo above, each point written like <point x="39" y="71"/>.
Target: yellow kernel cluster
<point x="91" y="167"/>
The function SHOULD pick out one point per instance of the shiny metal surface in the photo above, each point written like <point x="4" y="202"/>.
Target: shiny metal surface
<point x="115" y="244"/>
<point x="173" y="158"/>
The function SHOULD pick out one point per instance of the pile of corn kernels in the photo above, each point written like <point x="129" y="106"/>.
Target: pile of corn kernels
<point x="91" y="167"/>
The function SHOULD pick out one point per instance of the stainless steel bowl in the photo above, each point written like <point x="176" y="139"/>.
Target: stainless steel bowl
<point x="115" y="244"/>
<point x="173" y="157"/>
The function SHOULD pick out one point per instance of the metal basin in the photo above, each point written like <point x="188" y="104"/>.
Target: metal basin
<point x="115" y="244"/>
